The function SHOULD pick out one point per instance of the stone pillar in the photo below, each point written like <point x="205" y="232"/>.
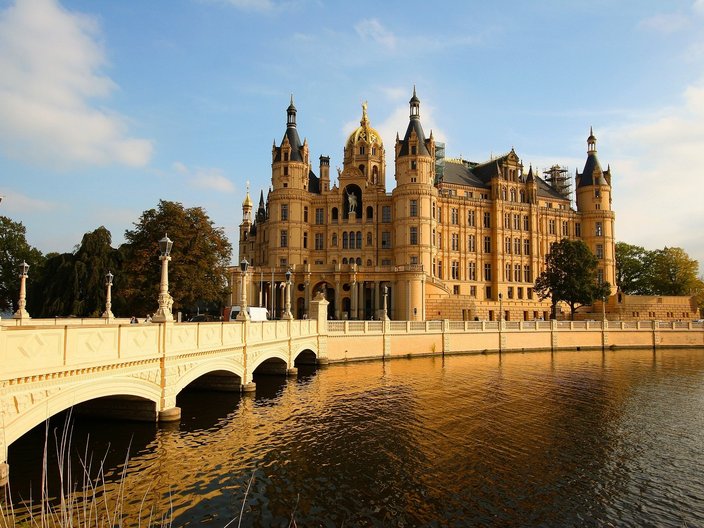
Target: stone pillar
<point x="353" y="300"/>
<point x="319" y="314"/>
<point x="338" y="299"/>
<point x="306" y="293"/>
<point x="166" y="409"/>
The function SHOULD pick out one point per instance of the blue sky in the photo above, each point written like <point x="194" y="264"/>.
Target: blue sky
<point x="107" y="107"/>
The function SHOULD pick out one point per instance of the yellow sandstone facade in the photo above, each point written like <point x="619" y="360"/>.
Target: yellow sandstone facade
<point x="454" y="239"/>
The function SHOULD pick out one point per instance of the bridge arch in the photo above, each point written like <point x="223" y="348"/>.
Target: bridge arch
<point x="278" y="353"/>
<point x="209" y="367"/>
<point x="76" y="394"/>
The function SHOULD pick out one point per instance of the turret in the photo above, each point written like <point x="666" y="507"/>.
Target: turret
<point x="597" y="219"/>
<point x="290" y="164"/>
<point x="415" y="155"/>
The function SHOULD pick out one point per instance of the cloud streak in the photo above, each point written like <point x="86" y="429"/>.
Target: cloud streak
<point x="51" y="60"/>
<point x="205" y="178"/>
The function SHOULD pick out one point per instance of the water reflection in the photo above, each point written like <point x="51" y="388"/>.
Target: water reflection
<point x="565" y="439"/>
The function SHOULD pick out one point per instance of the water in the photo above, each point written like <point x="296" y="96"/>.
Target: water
<point x="540" y="439"/>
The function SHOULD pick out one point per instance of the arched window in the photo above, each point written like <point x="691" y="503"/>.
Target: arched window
<point x="361" y="169"/>
<point x="523" y="197"/>
<point x="358" y="261"/>
<point x="345" y="240"/>
<point x="369" y="239"/>
<point x="351" y="235"/>
<point x="375" y="174"/>
<point x="513" y="195"/>
<point x="344" y="260"/>
<point x="359" y="241"/>
<point x="369" y="262"/>
<point x="370" y="213"/>
<point x="334" y="214"/>
<point x="503" y="193"/>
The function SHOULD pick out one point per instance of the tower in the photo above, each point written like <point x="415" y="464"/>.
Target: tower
<point x="597" y="218"/>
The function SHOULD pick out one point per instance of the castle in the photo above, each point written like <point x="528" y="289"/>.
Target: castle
<point x="454" y="239"/>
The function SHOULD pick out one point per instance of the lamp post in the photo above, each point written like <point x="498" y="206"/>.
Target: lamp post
<point x="244" y="314"/>
<point x="501" y="308"/>
<point x="287" y="313"/>
<point x="21" y="312"/>
<point x="164" y="314"/>
<point x="108" y="296"/>
<point x="386" y="293"/>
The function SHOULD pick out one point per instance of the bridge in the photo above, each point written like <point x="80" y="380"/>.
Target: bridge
<point x="136" y="371"/>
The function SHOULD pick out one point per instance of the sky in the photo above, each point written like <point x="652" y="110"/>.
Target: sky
<point x="108" y="107"/>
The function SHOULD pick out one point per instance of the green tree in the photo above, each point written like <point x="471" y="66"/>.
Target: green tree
<point x="570" y="276"/>
<point x="674" y="272"/>
<point x="14" y="249"/>
<point x="74" y="283"/>
<point x="198" y="269"/>
<point x="633" y="269"/>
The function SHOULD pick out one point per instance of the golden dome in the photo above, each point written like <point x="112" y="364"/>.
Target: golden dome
<point x="365" y="132"/>
<point x="247" y="200"/>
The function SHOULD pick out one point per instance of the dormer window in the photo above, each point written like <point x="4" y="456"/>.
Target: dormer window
<point x="285" y="156"/>
<point x="361" y="151"/>
<point x="413" y="150"/>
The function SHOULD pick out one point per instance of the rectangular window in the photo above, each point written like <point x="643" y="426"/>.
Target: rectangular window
<point x="413" y="210"/>
<point x="508" y="245"/>
<point x="600" y="251"/>
<point x="520" y="293"/>
<point x="386" y="214"/>
<point x="413" y="236"/>
<point x="319" y="218"/>
<point x="487" y="271"/>
<point x="455" y="242"/>
<point x="526" y="223"/>
<point x="526" y="274"/>
<point x="472" y="291"/>
<point x="455" y="216"/>
<point x="386" y="262"/>
<point x="507" y="273"/>
<point x="565" y="229"/>
<point x="487" y="293"/>
<point x="598" y="231"/>
<point x="510" y="292"/>
<point x="487" y="219"/>
<point x="284" y="212"/>
<point x="455" y="270"/>
<point x="578" y="230"/>
<point x="507" y="220"/>
<point x="386" y="240"/>
<point x="439" y="240"/>
<point x="456" y="289"/>
<point x="414" y="259"/>
<point x="471" y="221"/>
<point x="517" y="273"/>
<point x="439" y="269"/>
<point x="487" y="244"/>
<point x="472" y="243"/>
<point x="530" y="293"/>
<point x="551" y="227"/>
<point x="526" y="247"/>
<point x="517" y="222"/>
<point x="517" y="246"/>
<point x="305" y="214"/>
<point x="472" y="271"/>
<point x="305" y="240"/>
<point x="319" y="243"/>
<point x="600" y="276"/>
<point x="284" y="238"/>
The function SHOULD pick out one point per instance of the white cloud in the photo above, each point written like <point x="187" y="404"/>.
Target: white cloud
<point x="205" y="178"/>
<point x="248" y="5"/>
<point x="665" y="22"/>
<point x="50" y="61"/>
<point x="658" y="184"/>
<point x="371" y="29"/>
<point x="14" y="202"/>
<point x="698" y="7"/>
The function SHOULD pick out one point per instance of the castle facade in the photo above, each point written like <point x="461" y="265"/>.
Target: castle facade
<point x="454" y="239"/>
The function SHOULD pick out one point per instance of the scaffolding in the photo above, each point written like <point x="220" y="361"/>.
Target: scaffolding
<point x="557" y="177"/>
<point x="439" y="162"/>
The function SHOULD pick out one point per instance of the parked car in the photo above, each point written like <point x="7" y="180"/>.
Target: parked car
<point x="203" y="318"/>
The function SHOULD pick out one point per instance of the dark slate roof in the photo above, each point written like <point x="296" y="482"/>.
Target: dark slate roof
<point x="295" y="141"/>
<point x="414" y="124"/>
<point x="460" y="174"/>
<point x="547" y="191"/>
<point x="313" y="183"/>
<point x="592" y="173"/>
<point x="489" y="169"/>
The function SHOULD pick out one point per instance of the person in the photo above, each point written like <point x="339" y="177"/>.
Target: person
<point x="148" y="319"/>
<point x="352" y="199"/>
<point x="133" y="320"/>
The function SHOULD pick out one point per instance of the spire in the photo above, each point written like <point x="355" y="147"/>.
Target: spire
<point x="415" y="105"/>
<point x="291" y="113"/>
<point x="365" y="118"/>
<point x="591" y="141"/>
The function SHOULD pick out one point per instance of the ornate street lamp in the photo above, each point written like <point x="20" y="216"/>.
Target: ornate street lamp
<point x="244" y="314"/>
<point x="501" y="308"/>
<point x="386" y="293"/>
<point x="163" y="314"/>
<point x="108" y="296"/>
<point x="21" y="312"/>
<point x="287" y="313"/>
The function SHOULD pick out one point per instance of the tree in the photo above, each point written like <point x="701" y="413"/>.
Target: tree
<point x="674" y="272"/>
<point x="570" y="276"/>
<point x="197" y="271"/>
<point x="633" y="269"/>
<point x="13" y="250"/>
<point x="74" y="283"/>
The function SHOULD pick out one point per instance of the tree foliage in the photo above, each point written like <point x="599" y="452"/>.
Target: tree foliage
<point x="570" y="276"/>
<point x="74" y="283"/>
<point x="198" y="269"/>
<point x="14" y="249"/>
<point x="668" y="271"/>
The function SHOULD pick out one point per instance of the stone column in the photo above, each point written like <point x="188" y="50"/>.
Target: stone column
<point x="306" y="293"/>
<point x="319" y="314"/>
<point x="353" y="300"/>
